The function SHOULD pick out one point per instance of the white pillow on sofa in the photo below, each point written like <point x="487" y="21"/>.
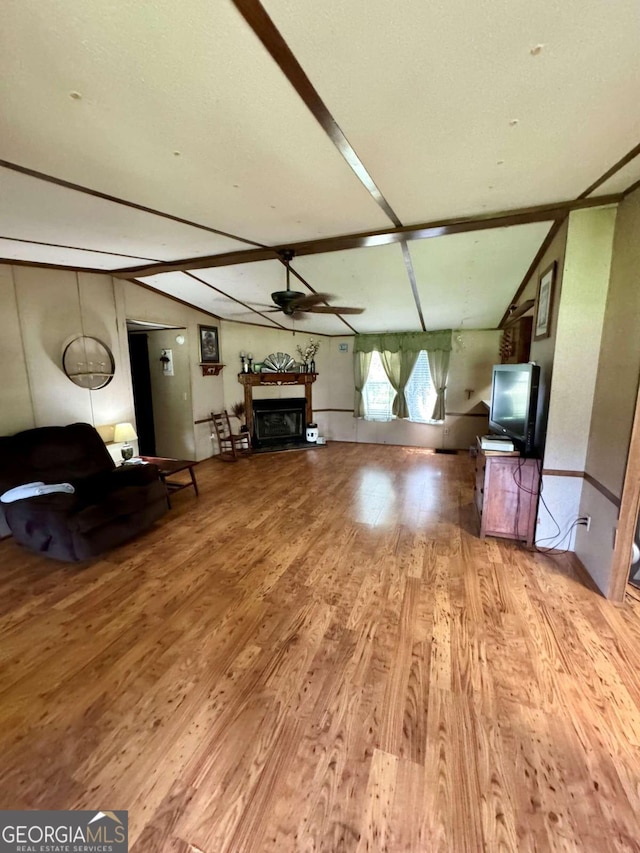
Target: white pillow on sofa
<point x="33" y="490"/>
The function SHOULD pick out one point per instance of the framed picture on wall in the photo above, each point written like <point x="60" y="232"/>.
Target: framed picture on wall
<point x="209" y="351"/>
<point x="544" y="303"/>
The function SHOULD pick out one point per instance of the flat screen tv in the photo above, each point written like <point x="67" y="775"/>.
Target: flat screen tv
<point x="514" y="402"/>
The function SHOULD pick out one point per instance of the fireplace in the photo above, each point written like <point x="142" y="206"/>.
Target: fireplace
<point x="279" y="423"/>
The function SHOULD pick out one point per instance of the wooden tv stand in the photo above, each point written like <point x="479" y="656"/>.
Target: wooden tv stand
<point x="506" y="494"/>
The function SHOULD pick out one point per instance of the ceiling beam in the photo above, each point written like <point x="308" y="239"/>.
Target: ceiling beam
<point x="23" y="170"/>
<point x="408" y="263"/>
<point x="173" y="298"/>
<point x="256" y="16"/>
<point x="622" y="162"/>
<point x="383" y="237"/>
<point x="628" y="157"/>
<point x="507" y="316"/>
<point x="632" y="188"/>
<point x="68" y="267"/>
<point x="518" y="311"/>
<point x="233" y="299"/>
<point x="306" y="284"/>
<point x="79" y="249"/>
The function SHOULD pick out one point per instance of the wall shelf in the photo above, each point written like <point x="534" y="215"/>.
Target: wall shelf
<point x="210" y="369"/>
<point x="276" y="378"/>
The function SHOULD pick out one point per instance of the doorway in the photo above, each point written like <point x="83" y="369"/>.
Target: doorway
<point x="142" y="394"/>
<point x="161" y="396"/>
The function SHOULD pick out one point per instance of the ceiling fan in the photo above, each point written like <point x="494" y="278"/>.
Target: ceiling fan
<point x="295" y="304"/>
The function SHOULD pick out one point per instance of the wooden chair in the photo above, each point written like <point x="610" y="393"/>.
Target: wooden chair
<point x="231" y="445"/>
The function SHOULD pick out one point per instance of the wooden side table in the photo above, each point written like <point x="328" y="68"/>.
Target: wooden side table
<point x="167" y="467"/>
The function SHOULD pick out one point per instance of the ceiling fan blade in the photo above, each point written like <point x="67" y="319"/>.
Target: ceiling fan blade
<point x="257" y="312"/>
<point x="332" y="309"/>
<point x="303" y="302"/>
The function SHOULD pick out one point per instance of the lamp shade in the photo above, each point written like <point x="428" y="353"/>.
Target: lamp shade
<point x="124" y="432"/>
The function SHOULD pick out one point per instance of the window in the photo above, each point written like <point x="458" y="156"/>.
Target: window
<point x="378" y="395"/>
<point x="420" y="393"/>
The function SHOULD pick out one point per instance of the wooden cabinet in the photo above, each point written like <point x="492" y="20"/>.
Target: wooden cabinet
<point x="506" y="494"/>
<point x="515" y="344"/>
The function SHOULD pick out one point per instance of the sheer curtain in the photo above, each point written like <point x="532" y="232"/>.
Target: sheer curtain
<point x="361" y="365"/>
<point x="398" y="367"/>
<point x="439" y="368"/>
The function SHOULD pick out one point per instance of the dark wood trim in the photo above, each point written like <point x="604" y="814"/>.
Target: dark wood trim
<point x="628" y="515"/>
<point x="256" y="16"/>
<point x="532" y="268"/>
<point x="225" y="259"/>
<point x="383" y="237"/>
<point x="622" y="162"/>
<point x="635" y="186"/>
<point x="260" y="325"/>
<point x="233" y="299"/>
<point x="78" y="248"/>
<point x="604" y="491"/>
<point x="173" y="298"/>
<point x="515" y="315"/>
<point x="106" y="197"/>
<point x="41" y="265"/>
<point x="447" y="414"/>
<point x="608" y="199"/>
<point x="408" y="262"/>
<point x="463" y="415"/>
<point x="584" y="475"/>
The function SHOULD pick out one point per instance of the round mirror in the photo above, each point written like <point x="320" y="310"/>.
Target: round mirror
<point x="88" y="362"/>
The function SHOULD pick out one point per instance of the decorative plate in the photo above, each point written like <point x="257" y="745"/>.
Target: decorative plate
<point x="278" y="362"/>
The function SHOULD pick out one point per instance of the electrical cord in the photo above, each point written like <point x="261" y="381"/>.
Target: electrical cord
<point x="558" y="537"/>
<point x="554" y="550"/>
<point x="522" y="488"/>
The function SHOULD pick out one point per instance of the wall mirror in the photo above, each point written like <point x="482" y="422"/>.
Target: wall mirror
<point x="88" y="362"/>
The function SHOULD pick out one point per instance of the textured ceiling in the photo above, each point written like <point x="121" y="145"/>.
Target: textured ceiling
<point x="454" y="108"/>
<point x="466" y="280"/>
<point x="162" y="77"/>
<point x="430" y="97"/>
<point x="624" y="178"/>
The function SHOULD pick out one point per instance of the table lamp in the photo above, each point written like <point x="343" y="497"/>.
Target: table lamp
<point x="124" y="433"/>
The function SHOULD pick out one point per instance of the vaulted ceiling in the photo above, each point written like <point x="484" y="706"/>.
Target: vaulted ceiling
<point x="184" y="145"/>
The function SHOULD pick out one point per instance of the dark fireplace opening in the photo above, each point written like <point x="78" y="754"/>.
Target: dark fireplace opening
<point x="279" y="423"/>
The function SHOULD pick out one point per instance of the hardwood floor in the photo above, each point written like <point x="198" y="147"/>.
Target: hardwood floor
<point x="320" y="654"/>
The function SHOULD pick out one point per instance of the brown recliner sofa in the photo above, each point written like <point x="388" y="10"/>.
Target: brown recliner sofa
<point x="110" y="504"/>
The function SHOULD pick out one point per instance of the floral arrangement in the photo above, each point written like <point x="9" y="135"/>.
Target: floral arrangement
<point x="309" y="352"/>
